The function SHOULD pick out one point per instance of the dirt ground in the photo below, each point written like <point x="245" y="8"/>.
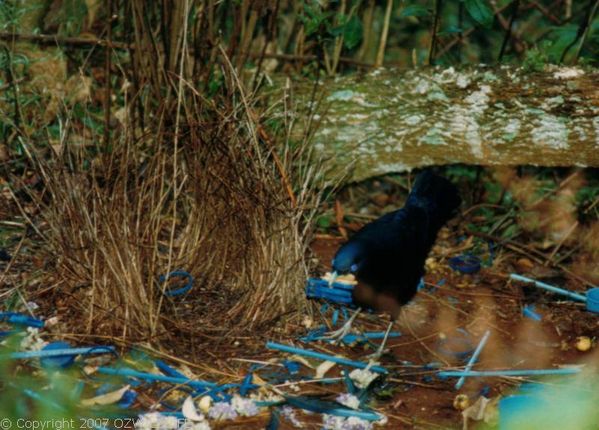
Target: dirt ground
<point x="485" y="300"/>
<point x="439" y="329"/>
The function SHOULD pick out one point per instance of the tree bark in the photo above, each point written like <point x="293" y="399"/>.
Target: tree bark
<point x="391" y="121"/>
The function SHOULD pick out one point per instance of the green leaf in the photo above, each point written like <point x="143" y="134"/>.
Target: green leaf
<point x="453" y="29"/>
<point x="480" y="12"/>
<point x="323" y="221"/>
<point x="415" y="10"/>
<point x="350" y="29"/>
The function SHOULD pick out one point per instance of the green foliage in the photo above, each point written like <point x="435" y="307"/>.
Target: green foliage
<point x="415" y="10"/>
<point x="536" y="58"/>
<point x="324" y="221"/>
<point x="351" y="30"/>
<point x="480" y="12"/>
<point x="315" y="19"/>
<point x="325" y="26"/>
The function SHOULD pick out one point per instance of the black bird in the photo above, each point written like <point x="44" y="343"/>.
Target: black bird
<point x="387" y="255"/>
<point x="4" y="256"/>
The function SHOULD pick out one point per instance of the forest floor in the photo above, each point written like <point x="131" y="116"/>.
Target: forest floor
<point x="439" y="329"/>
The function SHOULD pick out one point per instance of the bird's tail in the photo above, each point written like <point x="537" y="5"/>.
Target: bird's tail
<point x="435" y="194"/>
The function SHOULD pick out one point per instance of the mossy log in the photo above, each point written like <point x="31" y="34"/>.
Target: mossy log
<point x="391" y="121"/>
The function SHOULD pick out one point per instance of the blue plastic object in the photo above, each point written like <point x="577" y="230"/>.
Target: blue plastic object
<point x="151" y="377"/>
<point x="57" y="349"/>
<point x="473" y="359"/>
<point x="57" y="361"/>
<point x="529" y="312"/>
<point x="128" y="399"/>
<point x="337" y="292"/>
<point x="293" y="367"/>
<point x="168" y="370"/>
<point x="516" y="372"/>
<point x="322" y="356"/>
<point x="172" y="292"/>
<point x="515" y="412"/>
<point x="548" y="287"/>
<point x="348" y="339"/>
<point x="20" y="319"/>
<point x="330" y="408"/>
<point x="465" y="263"/>
<point x="593" y="300"/>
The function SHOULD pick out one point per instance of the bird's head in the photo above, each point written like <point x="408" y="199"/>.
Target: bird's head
<point x="349" y="258"/>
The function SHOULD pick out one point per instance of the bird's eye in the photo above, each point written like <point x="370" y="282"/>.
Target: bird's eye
<point x="353" y="268"/>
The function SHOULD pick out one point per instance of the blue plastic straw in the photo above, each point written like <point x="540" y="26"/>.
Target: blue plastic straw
<point x="168" y="370"/>
<point x="321" y="356"/>
<point x="529" y="312"/>
<point x="44" y="353"/>
<point x="327" y="408"/>
<point x="351" y="337"/>
<point x="473" y="359"/>
<point x="17" y="318"/>
<point x="548" y="287"/>
<point x="523" y="372"/>
<point x="154" y="377"/>
<point x="42" y="399"/>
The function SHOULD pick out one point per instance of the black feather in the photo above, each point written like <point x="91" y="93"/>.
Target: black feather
<point x="388" y="254"/>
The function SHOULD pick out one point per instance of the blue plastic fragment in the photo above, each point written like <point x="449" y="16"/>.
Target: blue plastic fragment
<point x="8" y="333"/>
<point x="529" y="312"/>
<point x="56" y="361"/>
<point x="128" y="399"/>
<point x="465" y="263"/>
<point x="168" y="370"/>
<point x="322" y="356"/>
<point x="151" y="377"/>
<point x="315" y="334"/>
<point x="60" y="349"/>
<point x="247" y="385"/>
<point x="329" y="408"/>
<point x="349" y="338"/>
<point x="473" y="359"/>
<point x="20" y="319"/>
<point x="274" y="420"/>
<point x="336" y="292"/>
<point x="177" y="291"/>
<point x="548" y="287"/>
<point x="42" y="399"/>
<point x="349" y="383"/>
<point x="335" y="317"/>
<point x="293" y="367"/>
<point x="218" y="393"/>
<point x="509" y="372"/>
